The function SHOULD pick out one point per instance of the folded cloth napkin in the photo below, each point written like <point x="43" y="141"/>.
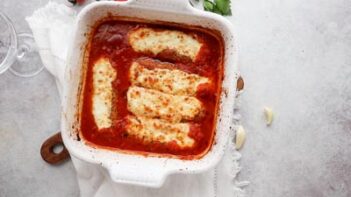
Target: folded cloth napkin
<point x="51" y="27"/>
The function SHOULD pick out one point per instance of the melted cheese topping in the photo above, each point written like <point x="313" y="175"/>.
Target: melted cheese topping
<point x="157" y="41"/>
<point x="150" y="130"/>
<point x="155" y="104"/>
<point x="103" y="75"/>
<point x="165" y="80"/>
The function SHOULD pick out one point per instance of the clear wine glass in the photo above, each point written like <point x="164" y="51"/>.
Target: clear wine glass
<point x="18" y="52"/>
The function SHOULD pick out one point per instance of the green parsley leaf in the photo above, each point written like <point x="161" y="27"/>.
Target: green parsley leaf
<point x="208" y="5"/>
<point x="218" y="6"/>
<point x="223" y="6"/>
<point x="217" y="11"/>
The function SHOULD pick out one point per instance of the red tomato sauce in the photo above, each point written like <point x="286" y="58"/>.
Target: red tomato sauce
<point x="110" y="39"/>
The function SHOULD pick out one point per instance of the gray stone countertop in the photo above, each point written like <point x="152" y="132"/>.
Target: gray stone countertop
<point x="295" y="57"/>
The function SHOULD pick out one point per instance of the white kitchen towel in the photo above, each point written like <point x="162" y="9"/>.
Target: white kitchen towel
<point x="51" y="27"/>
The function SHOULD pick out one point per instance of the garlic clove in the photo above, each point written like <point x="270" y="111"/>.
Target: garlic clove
<point x="240" y="137"/>
<point x="268" y="114"/>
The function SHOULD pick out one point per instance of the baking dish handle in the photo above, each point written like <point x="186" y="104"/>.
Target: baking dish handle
<point x="137" y="175"/>
<point x="169" y="5"/>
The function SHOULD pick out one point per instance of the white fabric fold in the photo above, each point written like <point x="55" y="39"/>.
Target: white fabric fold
<point x="51" y="27"/>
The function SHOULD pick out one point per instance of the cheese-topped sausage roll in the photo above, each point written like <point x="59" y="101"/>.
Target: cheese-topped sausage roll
<point x="155" y="104"/>
<point x="103" y="75"/>
<point x="156" y="130"/>
<point x="172" y="81"/>
<point x="157" y="41"/>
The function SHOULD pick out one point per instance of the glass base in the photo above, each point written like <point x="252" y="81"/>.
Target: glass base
<point x="28" y="62"/>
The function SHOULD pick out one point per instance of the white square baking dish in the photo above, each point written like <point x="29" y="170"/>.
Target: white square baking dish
<point x="133" y="168"/>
